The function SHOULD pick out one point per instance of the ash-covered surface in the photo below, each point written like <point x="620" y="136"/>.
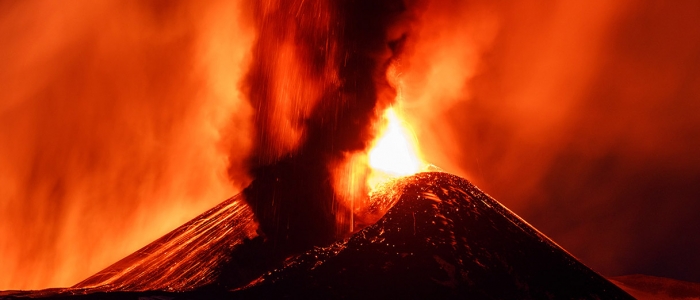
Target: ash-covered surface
<point x="443" y="238"/>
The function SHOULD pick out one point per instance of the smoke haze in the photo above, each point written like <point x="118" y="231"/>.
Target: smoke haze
<point x="112" y="126"/>
<point x="582" y="118"/>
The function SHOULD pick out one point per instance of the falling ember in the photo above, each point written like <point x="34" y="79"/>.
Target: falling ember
<point x="394" y="153"/>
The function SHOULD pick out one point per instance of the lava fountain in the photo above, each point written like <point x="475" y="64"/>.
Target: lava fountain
<point x="395" y="152"/>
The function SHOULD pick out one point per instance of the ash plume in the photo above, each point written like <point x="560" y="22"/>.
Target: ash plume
<point x="318" y="81"/>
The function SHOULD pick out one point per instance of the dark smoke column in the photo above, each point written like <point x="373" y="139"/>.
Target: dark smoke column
<point x="319" y="73"/>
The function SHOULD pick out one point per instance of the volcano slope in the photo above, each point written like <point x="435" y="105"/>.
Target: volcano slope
<point x="441" y="237"/>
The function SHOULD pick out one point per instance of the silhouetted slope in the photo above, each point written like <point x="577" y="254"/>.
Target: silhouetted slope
<point x="444" y="238"/>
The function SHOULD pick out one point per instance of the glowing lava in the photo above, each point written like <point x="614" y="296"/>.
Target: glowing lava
<point x="394" y="153"/>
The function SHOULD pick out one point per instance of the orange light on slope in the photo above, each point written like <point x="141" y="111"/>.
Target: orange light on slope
<point x="394" y="153"/>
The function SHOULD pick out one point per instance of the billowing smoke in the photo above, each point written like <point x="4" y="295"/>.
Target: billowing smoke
<point x="318" y="81"/>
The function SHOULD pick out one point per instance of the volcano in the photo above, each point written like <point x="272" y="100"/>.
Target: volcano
<point x="441" y="237"/>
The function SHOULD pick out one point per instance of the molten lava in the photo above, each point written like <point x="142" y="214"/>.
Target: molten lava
<point x="394" y="153"/>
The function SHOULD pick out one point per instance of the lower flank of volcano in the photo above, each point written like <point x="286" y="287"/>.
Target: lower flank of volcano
<point x="442" y="238"/>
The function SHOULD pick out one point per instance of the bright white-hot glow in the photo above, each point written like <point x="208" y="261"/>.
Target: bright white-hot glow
<point x="394" y="153"/>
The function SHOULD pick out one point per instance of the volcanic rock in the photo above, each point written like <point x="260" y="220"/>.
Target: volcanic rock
<point x="443" y="238"/>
